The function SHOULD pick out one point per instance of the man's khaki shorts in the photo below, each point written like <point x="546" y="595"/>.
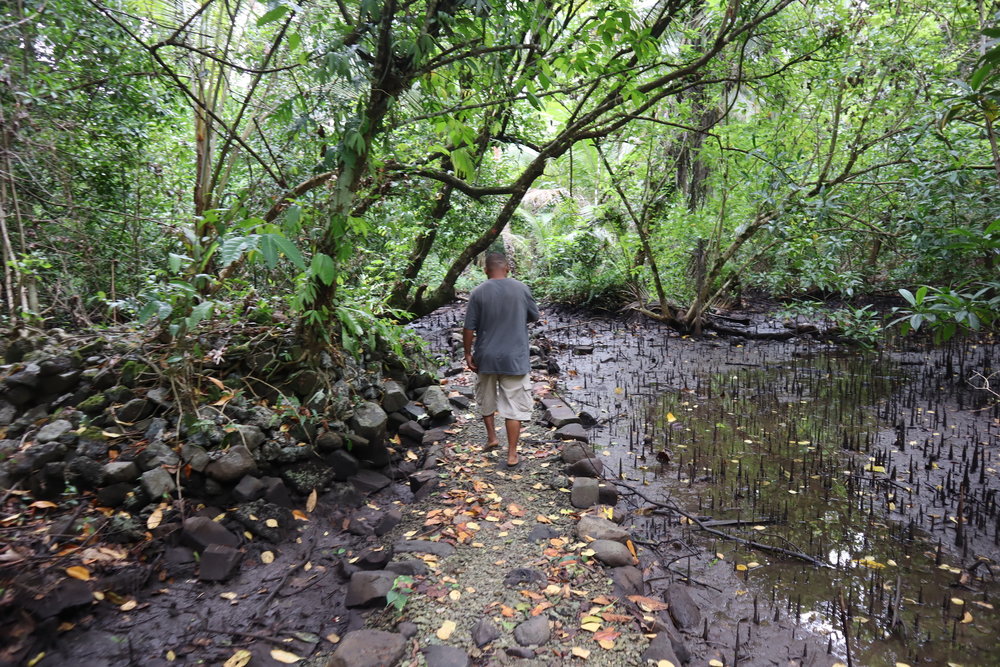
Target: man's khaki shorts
<point x="509" y="395"/>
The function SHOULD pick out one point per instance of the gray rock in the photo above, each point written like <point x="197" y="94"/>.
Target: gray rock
<point x="134" y="410"/>
<point x="611" y="553"/>
<point x="393" y="396"/>
<point x="369" y="481"/>
<point x="541" y="533"/>
<point x="575" y="451"/>
<point x="533" y="632"/>
<point x="343" y="464"/>
<point x="589" y="415"/>
<point x="585" y="493"/>
<point x="560" y="415"/>
<point x="573" y="432"/>
<point x="59" y="383"/>
<point x="660" y="648"/>
<point x="525" y="577"/>
<point x="598" y="528"/>
<point x="439" y="549"/>
<point x="219" y="562"/>
<point x="368" y="648"/>
<point x="8" y="413"/>
<point x="195" y="456"/>
<point x="607" y="494"/>
<point x="413" y="430"/>
<point x="244" y="434"/>
<point x="157" y="483"/>
<point x="329" y="441"/>
<point x="587" y="468"/>
<point x="55" y="365"/>
<point x="156" y="429"/>
<point x="157" y="454"/>
<point x="160" y="396"/>
<point x="409" y="568"/>
<point x="484" y="632"/>
<point x="84" y="473"/>
<point x="683" y="609"/>
<point x="232" y="465"/>
<point x="53" y="431"/>
<point x="373" y="558"/>
<point x="438" y="655"/>
<point x="263" y="519"/>
<point x="368" y="421"/>
<point x="26" y="377"/>
<point x="407" y="629"/>
<point x="662" y="624"/>
<point x="199" y="532"/>
<point x="627" y="581"/>
<point x="436" y="402"/>
<point x="368" y="588"/>
<point x="249" y="489"/>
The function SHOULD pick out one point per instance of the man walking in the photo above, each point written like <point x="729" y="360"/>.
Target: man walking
<point x="496" y="320"/>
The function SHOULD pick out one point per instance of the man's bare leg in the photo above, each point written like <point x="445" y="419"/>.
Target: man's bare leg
<point x="491" y="432"/>
<point x="513" y="435"/>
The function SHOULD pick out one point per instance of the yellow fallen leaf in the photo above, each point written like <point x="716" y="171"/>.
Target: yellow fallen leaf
<point x="300" y="515"/>
<point x="957" y="602"/>
<point x="715" y="663"/>
<point x="34" y="661"/>
<point x="741" y="568"/>
<point x="664" y="663"/>
<point x="333" y="638"/>
<point x="267" y="557"/>
<point x="43" y="504"/>
<point x="171" y="656"/>
<point x="128" y="606"/>
<point x="444" y="632"/>
<point x="759" y="528"/>
<point x="272" y="523"/>
<point x="154" y="519"/>
<point x="229" y="595"/>
<point x="967" y="618"/>
<point x="580" y="652"/>
<point x="311" y="501"/>
<point x="239" y="659"/>
<point x="78" y="572"/>
<point x="606" y="644"/>
<point x="631" y="548"/>
<point x="670" y="418"/>
<point x="284" y="656"/>
<point x="455" y="596"/>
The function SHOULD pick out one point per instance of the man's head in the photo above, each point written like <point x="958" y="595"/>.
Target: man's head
<point x="496" y="265"/>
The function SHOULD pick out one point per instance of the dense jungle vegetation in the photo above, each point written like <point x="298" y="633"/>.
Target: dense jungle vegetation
<point x="344" y="162"/>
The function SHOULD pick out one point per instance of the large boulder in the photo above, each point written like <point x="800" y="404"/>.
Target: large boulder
<point x="368" y="648"/>
<point x="232" y="465"/>
<point x="369" y="421"/>
<point x="436" y="402"/>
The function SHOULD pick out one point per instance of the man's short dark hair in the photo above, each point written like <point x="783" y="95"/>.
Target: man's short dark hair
<point x="496" y="260"/>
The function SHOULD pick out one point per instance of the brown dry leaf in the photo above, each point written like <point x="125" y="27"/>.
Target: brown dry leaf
<point x="128" y="606"/>
<point x="540" y="607"/>
<point x="607" y="635"/>
<point x="507" y="611"/>
<point x="541" y="518"/>
<point x="78" y="572"/>
<point x="444" y="632"/>
<point x="333" y="638"/>
<point x="311" y="501"/>
<point x="154" y="519"/>
<point x="284" y="656"/>
<point x="43" y="504"/>
<point x="631" y="548"/>
<point x="616" y="618"/>
<point x="301" y="516"/>
<point x="967" y="618"/>
<point x="602" y="600"/>
<point x="239" y="659"/>
<point x="217" y="383"/>
<point x="648" y="604"/>
<point x="515" y="510"/>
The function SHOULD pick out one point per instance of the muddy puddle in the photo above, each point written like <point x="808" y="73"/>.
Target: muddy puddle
<point x="880" y="468"/>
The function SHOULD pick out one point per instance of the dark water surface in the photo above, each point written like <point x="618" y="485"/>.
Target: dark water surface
<point x="882" y="465"/>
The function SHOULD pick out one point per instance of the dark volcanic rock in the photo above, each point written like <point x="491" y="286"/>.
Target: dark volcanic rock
<point x="68" y="594"/>
<point x="343" y="464"/>
<point x="660" y="648"/>
<point x="232" y="465"/>
<point x="533" y="632"/>
<point x="200" y="532"/>
<point x="590" y="467"/>
<point x="369" y="421"/>
<point x="524" y="577"/>
<point x="611" y="553"/>
<point x="436" y="402"/>
<point x="438" y="655"/>
<point x="599" y="528"/>
<point x="683" y="609"/>
<point x="368" y="648"/>
<point x="409" y="568"/>
<point x="219" y="562"/>
<point x="439" y="549"/>
<point x="484" y="632"/>
<point x="368" y="588"/>
<point x="84" y="473"/>
<point x="369" y="481"/>
<point x="585" y="493"/>
<point x="573" y="432"/>
<point x="627" y="581"/>
<point x="250" y="488"/>
<point x="575" y="451"/>
<point x="560" y="415"/>
<point x="53" y="431"/>
<point x="393" y="396"/>
<point x="264" y="519"/>
<point x="306" y="476"/>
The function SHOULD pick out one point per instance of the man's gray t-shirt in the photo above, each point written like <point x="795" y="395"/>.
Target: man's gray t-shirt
<point x="499" y="311"/>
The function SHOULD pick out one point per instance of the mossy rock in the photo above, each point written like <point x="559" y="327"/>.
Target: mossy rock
<point x="93" y="405"/>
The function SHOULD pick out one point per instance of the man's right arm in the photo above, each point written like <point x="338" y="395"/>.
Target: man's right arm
<point x="468" y="336"/>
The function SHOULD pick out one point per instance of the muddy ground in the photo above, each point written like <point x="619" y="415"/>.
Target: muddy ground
<point x="651" y="392"/>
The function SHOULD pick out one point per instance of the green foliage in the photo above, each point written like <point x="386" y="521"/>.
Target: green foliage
<point x="399" y="594"/>
<point x="946" y="310"/>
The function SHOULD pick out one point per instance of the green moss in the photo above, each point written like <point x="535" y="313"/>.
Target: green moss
<point x="94" y="404"/>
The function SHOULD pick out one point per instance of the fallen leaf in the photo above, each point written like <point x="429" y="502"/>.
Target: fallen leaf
<point x="507" y="611"/>
<point x="284" y="656"/>
<point x="540" y="607"/>
<point x="591" y="627"/>
<point x="128" y="606"/>
<point x="665" y="663"/>
<point x="78" y="572"/>
<point x="154" y="519"/>
<point x="229" y="595"/>
<point x="444" y="632"/>
<point x="670" y="418"/>
<point x="272" y="523"/>
<point x="967" y="618"/>
<point x="715" y="663"/>
<point x="455" y="596"/>
<point x="311" y="501"/>
<point x="333" y="638"/>
<point x="648" y="604"/>
<point x="239" y="659"/>
<point x="43" y="504"/>
<point x="580" y="652"/>
<point x="267" y="557"/>
<point x="171" y="656"/>
<point x="34" y="661"/>
<point x="606" y="644"/>
<point x="301" y="516"/>
<point x="541" y="518"/>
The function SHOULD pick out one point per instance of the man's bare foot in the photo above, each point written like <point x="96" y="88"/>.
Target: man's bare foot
<point x="514" y="463"/>
<point x="490" y="446"/>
